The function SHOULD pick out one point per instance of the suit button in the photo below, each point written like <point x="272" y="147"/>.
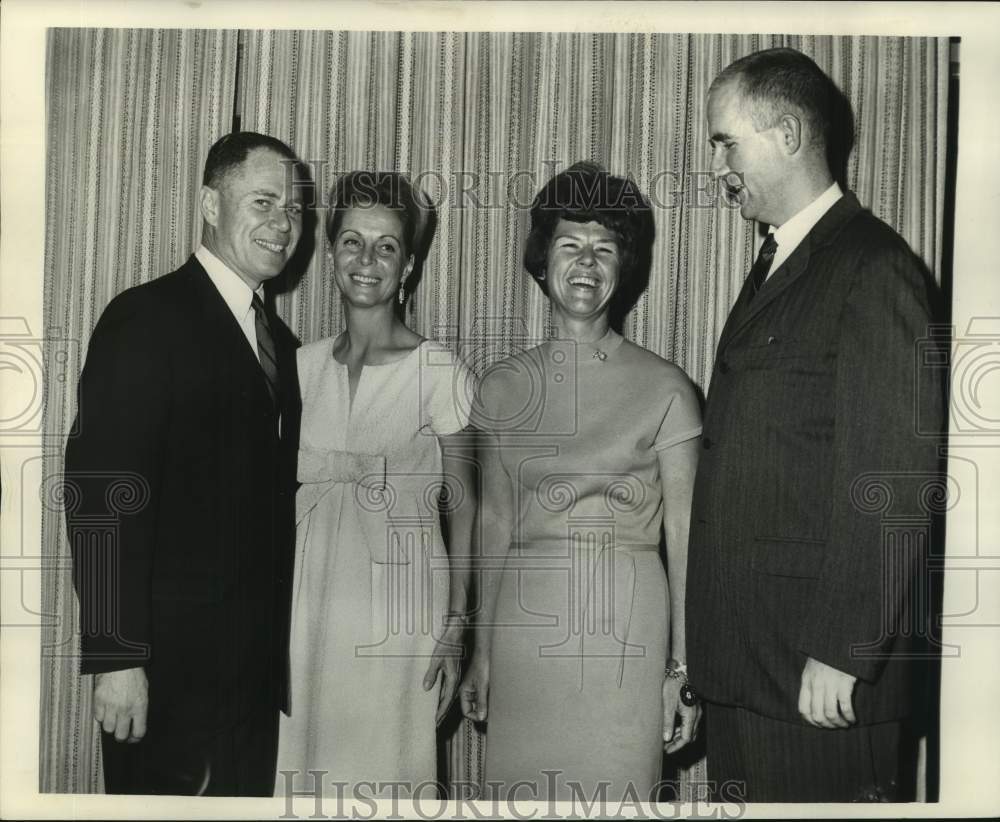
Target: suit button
<point x="706" y="443"/>
<point x="723" y="367"/>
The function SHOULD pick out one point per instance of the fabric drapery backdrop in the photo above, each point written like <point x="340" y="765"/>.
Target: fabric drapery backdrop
<point x="131" y="115"/>
<point x="480" y="121"/>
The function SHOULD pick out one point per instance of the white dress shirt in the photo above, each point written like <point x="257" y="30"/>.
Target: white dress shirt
<point x="237" y="294"/>
<point x="793" y="231"/>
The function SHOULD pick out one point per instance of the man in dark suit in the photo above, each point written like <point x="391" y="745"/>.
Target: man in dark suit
<point x="187" y="430"/>
<point x="798" y="617"/>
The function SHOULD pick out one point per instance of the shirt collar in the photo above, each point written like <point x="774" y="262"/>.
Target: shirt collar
<point x="793" y="231"/>
<point x="237" y="294"/>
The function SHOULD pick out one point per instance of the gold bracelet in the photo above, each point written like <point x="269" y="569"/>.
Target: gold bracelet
<point x="676" y="670"/>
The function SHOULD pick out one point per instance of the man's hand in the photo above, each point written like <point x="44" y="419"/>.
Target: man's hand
<point x="120" y="702"/>
<point x="825" y="696"/>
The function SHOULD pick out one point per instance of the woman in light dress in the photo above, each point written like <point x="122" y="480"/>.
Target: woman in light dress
<point x="588" y="450"/>
<point x="378" y="609"/>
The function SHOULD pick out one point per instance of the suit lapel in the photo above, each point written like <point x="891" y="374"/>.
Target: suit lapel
<point x="789" y="271"/>
<point x="222" y="327"/>
<point x="824" y="232"/>
<point x="738" y="310"/>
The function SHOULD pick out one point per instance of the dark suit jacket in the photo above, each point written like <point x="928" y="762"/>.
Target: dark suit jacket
<point x="180" y="508"/>
<point x="809" y="446"/>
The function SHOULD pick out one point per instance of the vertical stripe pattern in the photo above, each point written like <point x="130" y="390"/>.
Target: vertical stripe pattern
<point x="479" y="121"/>
<point x="131" y="115"/>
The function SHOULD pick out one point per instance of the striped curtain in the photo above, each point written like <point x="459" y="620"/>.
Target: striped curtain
<point x="480" y="121"/>
<point x="131" y="116"/>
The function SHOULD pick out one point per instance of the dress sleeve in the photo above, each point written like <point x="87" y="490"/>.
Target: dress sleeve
<point x="451" y="391"/>
<point x="682" y="415"/>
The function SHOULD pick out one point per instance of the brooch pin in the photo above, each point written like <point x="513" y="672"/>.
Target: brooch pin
<point x="600" y="355"/>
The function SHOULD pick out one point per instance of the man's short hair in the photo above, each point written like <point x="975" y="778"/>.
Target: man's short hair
<point x="231" y="150"/>
<point x="782" y="81"/>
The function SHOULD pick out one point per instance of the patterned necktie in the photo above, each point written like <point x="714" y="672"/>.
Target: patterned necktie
<point x="762" y="264"/>
<point x="265" y="347"/>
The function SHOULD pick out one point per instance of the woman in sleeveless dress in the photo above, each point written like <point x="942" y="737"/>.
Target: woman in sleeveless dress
<point x="378" y="608"/>
<point x="588" y="451"/>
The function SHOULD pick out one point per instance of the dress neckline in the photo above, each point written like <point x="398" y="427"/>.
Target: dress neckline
<point x="366" y="365"/>
<point x="592" y="353"/>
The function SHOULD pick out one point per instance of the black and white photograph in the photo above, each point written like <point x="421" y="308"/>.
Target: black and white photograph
<point x="534" y="410"/>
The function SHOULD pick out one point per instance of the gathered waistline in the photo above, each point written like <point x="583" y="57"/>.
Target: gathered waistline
<point x="560" y="545"/>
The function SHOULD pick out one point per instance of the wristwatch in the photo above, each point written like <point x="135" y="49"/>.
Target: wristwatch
<point x="461" y="617"/>
<point x="678" y="670"/>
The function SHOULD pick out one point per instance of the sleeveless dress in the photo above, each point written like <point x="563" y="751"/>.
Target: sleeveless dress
<point x="371" y="572"/>
<point x="581" y="629"/>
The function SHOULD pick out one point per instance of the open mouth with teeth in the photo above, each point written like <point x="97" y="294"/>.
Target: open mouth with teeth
<point x="584" y="281"/>
<point x="274" y="248"/>
<point x="363" y="279"/>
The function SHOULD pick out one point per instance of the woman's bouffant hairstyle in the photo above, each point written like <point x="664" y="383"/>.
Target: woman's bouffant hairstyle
<point x="392" y="189"/>
<point x="585" y="192"/>
<point x="377" y="188"/>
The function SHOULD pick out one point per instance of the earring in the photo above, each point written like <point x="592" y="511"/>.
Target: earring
<point x="402" y="294"/>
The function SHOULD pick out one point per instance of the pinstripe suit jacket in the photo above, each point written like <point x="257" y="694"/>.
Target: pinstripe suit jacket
<point x="809" y="439"/>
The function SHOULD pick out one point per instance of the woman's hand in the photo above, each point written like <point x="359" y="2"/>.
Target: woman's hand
<point x="674" y="711"/>
<point x="446" y="656"/>
<point x="475" y="689"/>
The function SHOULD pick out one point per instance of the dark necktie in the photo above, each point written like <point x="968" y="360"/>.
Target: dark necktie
<point x="762" y="264"/>
<point x="265" y="347"/>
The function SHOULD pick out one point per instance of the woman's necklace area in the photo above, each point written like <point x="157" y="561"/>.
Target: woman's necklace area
<point x="597" y="350"/>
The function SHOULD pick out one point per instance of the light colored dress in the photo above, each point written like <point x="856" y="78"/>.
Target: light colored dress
<point x="580" y="637"/>
<point x="371" y="573"/>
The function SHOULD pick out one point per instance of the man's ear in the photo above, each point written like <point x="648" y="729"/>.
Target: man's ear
<point x="209" y="203"/>
<point x="790" y="128"/>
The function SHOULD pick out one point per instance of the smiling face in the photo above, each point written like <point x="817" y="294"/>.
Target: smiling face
<point x="747" y="162"/>
<point x="369" y="261"/>
<point x="252" y="221"/>
<point x="582" y="268"/>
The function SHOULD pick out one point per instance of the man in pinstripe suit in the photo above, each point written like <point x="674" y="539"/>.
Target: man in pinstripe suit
<point x="799" y="627"/>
